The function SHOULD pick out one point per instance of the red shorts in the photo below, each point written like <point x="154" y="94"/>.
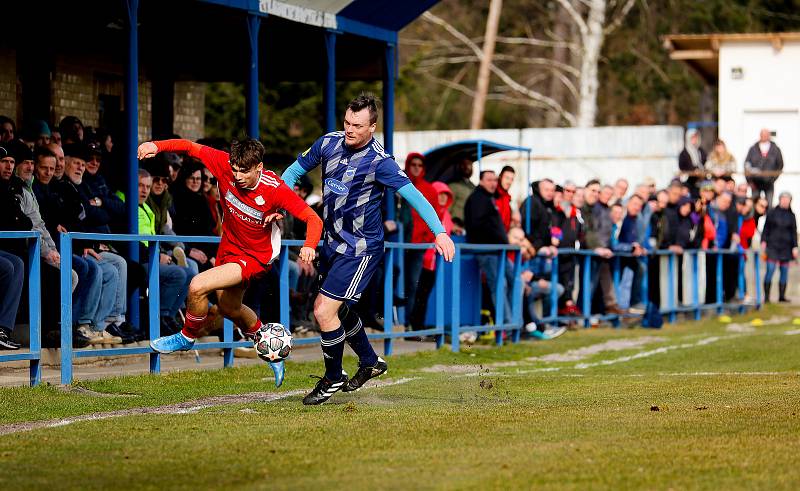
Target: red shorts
<point x="251" y="268"/>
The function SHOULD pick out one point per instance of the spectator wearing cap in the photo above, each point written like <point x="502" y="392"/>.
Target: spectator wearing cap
<point x="8" y="130"/>
<point x="51" y="259"/>
<point x="23" y="161"/>
<point x="568" y="226"/>
<point x="542" y="210"/>
<point x="98" y="187"/>
<point x="763" y="165"/>
<point x="71" y="130"/>
<point x="80" y="212"/>
<point x="38" y="133"/>
<point x="174" y="279"/>
<point x="174" y="164"/>
<point x="780" y="242"/>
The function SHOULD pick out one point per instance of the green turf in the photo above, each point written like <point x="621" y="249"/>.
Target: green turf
<point x="728" y="416"/>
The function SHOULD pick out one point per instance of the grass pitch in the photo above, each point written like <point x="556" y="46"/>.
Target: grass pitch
<point x="698" y="405"/>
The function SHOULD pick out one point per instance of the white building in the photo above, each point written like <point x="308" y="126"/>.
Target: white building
<point x="758" y="76"/>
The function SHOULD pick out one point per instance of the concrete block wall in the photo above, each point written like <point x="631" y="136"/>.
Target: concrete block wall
<point x="189" y="110"/>
<point x="8" y="83"/>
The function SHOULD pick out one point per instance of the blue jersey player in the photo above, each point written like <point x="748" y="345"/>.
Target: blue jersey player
<point x="355" y="173"/>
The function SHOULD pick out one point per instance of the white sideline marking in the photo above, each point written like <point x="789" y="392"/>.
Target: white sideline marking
<point x="740" y="328"/>
<point x="792" y="332"/>
<point x="587" y="351"/>
<point x="190" y="407"/>
<point x="646" y="354"/>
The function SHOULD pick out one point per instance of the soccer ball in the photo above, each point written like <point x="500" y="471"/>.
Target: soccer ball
<point x="273" y="342"/>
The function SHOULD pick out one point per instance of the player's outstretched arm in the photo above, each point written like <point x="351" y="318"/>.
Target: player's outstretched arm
<point x="289" y="201"/>
<point x="444" y="244"/>
<point x="292" y="174"/>
<point x="215" y="161"/>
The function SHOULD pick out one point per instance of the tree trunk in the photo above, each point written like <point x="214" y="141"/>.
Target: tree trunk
<point x="482" y="87"/>
<point x="592" y="39"/>
<point x="561" y="54"/>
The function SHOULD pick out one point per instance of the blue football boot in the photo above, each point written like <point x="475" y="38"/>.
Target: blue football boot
<point x="279" y="369"/>
<point x="169" y="344"/>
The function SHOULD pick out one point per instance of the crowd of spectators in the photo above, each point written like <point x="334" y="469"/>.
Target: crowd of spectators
<point x="69" y="178"/>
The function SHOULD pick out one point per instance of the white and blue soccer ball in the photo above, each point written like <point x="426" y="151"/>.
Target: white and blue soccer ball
<point x="273" y="342"/>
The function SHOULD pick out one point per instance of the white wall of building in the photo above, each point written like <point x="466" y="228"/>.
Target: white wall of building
<point x="579" y="154"/>
<point x="767" y="95"/>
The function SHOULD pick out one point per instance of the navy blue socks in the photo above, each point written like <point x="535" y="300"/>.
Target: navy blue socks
<point x="357" y="337"/>
<point x="332" y="350"/>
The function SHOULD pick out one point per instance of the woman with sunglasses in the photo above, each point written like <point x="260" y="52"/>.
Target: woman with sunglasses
<point x="192" y="215"/>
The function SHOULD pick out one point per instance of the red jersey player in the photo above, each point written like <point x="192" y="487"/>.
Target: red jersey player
<point x="251" y="240"/>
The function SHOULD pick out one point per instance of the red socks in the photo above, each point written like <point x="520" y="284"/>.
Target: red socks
<point x="193" y="325"/>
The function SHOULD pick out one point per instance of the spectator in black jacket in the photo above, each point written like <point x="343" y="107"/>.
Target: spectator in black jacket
<point x="541" y="221"/>
<point x="484" y="226"/>
<point x="12" y="269"/>
<point x="192" y="214"/>
<point x="780" y="241"/>
<point x="99" y="189"/>
<point x="763" y="165"/>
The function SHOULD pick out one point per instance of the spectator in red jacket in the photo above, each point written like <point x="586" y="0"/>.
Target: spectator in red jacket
<point x="420" y="233"/>
<point x="503" y="199"/>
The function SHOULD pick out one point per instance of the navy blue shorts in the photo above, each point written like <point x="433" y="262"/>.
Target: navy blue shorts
<point x="345" y="277"/>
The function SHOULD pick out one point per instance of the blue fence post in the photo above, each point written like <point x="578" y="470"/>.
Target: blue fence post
<point x="671" y="287"/>
<point x="35" y="308"/>
<point x="131" y="104"/>
<point x="439" y="301"/>
<point x="388" y="300"/>
<point x="615" y="280"/>
<point x="455" y="319"/>
<point x="283" y="274"/>
<point x="251" y="106"/>
<point x="741" y="280"/>
<point x="696" y="285"/>
<point x="329" y="96"/>
<point x="227" y="338"/>
<point x="586" y="289"/>
<point x="400" y="258"/>
<point x="516" y="304"/>
<point x="645" y="261"/>
<point x="554" y="289"/>
<point x="718" y="274"/>
<point x="66" y="310"/>
<point x="757" y="273"/>
<point x="500" y="298"/>
<point x="153" y="300"/>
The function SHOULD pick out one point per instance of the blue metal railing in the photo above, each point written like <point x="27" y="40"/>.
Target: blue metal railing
<point x="34" y="354"/>
<point x="445" y="322"/>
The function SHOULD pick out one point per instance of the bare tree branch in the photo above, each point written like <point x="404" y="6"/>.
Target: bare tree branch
<point x="617" y="20"/>
<point x="453" y="32"/>
<point x="576" y="17"/>
<point x="534" y="94"/>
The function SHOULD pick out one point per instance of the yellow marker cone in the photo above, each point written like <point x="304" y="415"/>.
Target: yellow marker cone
<point x="756" y="322"/>
<point x="725" y="319"/>
<point x="796" y="321"/>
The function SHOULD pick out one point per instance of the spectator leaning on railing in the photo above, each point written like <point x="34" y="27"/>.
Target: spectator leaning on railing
<point x="484" y="226"/>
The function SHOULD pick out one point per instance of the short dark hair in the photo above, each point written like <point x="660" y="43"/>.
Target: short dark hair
<point x="592" y="182"/>
<point x="246" y="154"/>
<point x="507" y="168"/>
<point x="480" y="176"/>
<point x="366" y="100"/>
<point x="42" y="152"/>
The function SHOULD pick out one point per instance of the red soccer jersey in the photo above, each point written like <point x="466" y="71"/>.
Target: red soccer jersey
<point x="243" y="232"/>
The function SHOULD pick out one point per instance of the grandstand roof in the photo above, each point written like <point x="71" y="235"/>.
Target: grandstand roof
<point x="440" y="160"/>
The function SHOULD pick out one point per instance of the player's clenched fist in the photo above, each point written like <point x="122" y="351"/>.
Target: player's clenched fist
<point x="307" y="255"/>
<point x="147" y="150"/>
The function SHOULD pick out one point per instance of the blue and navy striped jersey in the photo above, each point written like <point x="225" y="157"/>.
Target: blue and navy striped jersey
<point x="353" y="183"/>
